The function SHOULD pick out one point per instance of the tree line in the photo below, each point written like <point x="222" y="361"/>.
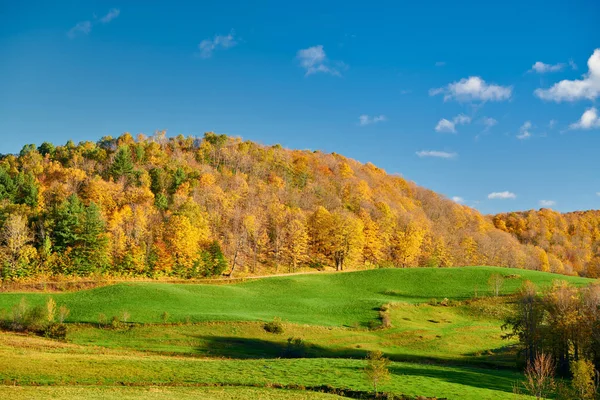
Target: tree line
<point x="191" y="207"/>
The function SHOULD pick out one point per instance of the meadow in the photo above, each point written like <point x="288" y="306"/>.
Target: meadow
<point x="443" y="335"/>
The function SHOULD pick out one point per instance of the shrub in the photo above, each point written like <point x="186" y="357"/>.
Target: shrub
<point x="56" y="331"/>
<point x="50" y="310"/>
<point x="295" y="348"/>
<point x="165" y="317"/>
<point x="63" y="313"/>
<point x="101" y="319"/>
<point x="115" y="323"/>
<point x="274" y="326"/>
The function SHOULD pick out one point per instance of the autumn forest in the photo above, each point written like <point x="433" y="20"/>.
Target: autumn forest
<point x="192" y="207"/>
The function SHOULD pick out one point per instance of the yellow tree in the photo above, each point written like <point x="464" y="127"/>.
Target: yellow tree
<point x="372" y="249"/>
<point x="183" y="240"/>
<point x="347" y="239"/>
<point x="295" y="240"/>
<point x="407" y="244"/>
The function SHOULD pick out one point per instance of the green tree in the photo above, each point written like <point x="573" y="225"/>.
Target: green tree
<point x="122" y="165"/>
<point x="377" y="369"/>
<point x="213" y="260"/>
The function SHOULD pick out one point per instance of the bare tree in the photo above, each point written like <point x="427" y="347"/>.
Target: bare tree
<point x="495" y="282"/>
<point x="539" y="376"/>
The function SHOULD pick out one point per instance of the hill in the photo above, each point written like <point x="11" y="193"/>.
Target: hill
<point x="347" y="299"/>
<point x="190" y="207"/>
<point x="571" y="240"/>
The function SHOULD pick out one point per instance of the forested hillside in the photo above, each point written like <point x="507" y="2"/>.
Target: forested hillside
<point x="192" y="207"/>
<point x="573" y="238"/>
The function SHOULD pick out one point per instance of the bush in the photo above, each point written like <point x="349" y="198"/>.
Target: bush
<point x="274" y="326"/>
<point x="56" y="331"/>
<point x="165" y="317"/>
<point x="295" y="348"/>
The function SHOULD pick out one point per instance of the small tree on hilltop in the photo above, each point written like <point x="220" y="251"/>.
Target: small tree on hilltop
<point x="377" y="369"/>
<point x="495" y="282"/>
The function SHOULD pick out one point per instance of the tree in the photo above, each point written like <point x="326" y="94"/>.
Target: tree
<point x="526" y="321"/>
<point x="122" y="165"/>
<point x="539" y="376"/>
<point x="583" y="379"/>
<point x="377" y="369"/>
<point x="15" y="236"/>
<point x="214" y="262"/>
<point x="295" y="242"/>
<point x="495" y="283"/>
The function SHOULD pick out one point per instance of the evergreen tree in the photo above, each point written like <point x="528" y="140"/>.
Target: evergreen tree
<point x="214" y="260"/>
<point x="122" y="165"/>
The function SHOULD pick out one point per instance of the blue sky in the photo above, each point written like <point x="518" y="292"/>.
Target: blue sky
<point x="489" y="102"/>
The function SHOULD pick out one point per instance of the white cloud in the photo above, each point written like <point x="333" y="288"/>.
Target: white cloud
<point x="502" y="195"/>
<point x="552" y="123"/>
<point x="473" y="89"/>
<point x="208" y="46"/>
<point x="589" y="120"/>
<point x="82" y="28"/>
<point x="572" y="65"/>
<point x="547" y="203"/>
<point x="440" y="63"/>
<point x="434" y="153"/>
<point x="542" y="68"/>
<point x="112" y="14"/>
<point x="597" y="193"/>
<point x="458" y="199"/>
<point x="445" y="125"/>
<point x="586" y="88"/>
<point x="488" y="122"/>
<point x="314" y="60"/>
<point x="524" y="131"/>
<point x="85" y="27"/>
<point x="364" y="119"/>
<point x="405" y="91"/>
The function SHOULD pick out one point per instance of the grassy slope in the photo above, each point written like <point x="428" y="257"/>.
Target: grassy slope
<point x="316" y="299"/>
<point x="30" y="360"/>
<point x="460" y="334"/>
<point x="156" y="393"/>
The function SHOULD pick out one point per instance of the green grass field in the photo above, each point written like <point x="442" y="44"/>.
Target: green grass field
<point x="214" y="336"/>
<point x="342" y="299"/>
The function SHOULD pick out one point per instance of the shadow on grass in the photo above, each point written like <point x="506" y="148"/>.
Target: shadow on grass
<point x="244" y="348"/>
<point x="252" y="348"/>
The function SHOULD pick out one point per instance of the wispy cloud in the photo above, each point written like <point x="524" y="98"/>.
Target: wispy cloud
<point x="458" y="199"/>
<point x="85" y="27"/>
<point x="525" y="131"/>
<point x="220" y="42"/>
<point x="112" y="14"/>
<point x="502" y="195"/>
<point x="552" y="123"/>
<point x="589" y="120"/>
<point x="473" y="89"/>
<point x="445" y="125"/>
<point x="547" y="203"/>
<point x="364" y="119"/>
<point x="82" y="28"/>
<point x="440" y="63"/>
<point x="488" y="123"/>
<point x="437" y="154"/>
<point x="542" y="68"/>
<point x="586" y="88"/>
<point x="314" y="60"/>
